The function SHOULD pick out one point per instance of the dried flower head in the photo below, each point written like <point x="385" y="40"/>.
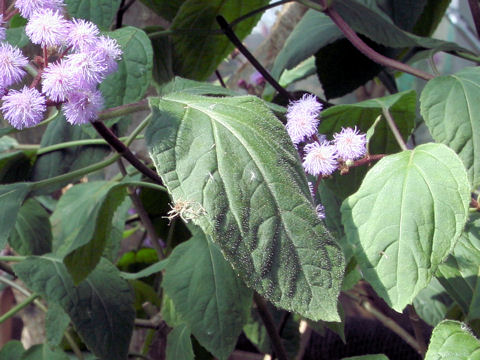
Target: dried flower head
<point x="302" y="118"/>
<point x="187" y="210"/>
<point x="23" y="108"/>
<point x="350" y="144"/>
<point x="320" y="159"/>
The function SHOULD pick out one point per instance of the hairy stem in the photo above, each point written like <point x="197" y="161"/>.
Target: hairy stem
<point x="394" y="129"/>
<point x="475" y="10"/>
<point x="270" y="326"/>
<point x="417" y="329"/>
<point x="236" y="41"/>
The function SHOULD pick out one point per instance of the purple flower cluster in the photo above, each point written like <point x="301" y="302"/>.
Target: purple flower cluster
<point x="321" y="157"/>
<point x="82" y="59"/>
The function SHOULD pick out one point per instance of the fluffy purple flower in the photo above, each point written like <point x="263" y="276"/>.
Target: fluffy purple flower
<point x="350" y="144"/>
<point x="57" y="81"/>
<point x="47" y="27"/>
<point x="320" y="159"/>
<point x="12" y="62"/>
<point x="23" y="108"/>
<point x="83" y="106"/>
<point x="82" y="34"/>
<point x="109" y="50"/>
<point x="28" y="7"/>
<point x="88" y="68"/>
<point x="302" y="119"/>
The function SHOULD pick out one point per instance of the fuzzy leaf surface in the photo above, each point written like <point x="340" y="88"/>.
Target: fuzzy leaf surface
<point x="231" y="164"/>
<point x="449" y="104"/>
<point x="101" y="307"/>
<point x="406" y="218"/>
<point x="453" y="340"/>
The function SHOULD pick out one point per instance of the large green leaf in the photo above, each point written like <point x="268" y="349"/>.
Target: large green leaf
<point x="179" y="344"/>
<point x="232" y="169"/>
<point x="207" y="294"/>
<point x="64" y="160"/>
<point x="15" y="166"/>
<point x="368" y="357"/>
<point x="43" y="352"/>
<point x="132" y="79"/>
<point x="431" y="17"/>
<point x="11" y="350"/>
<point x="404" y="13"/>
<point x="82" y="224"/>
<point x="100" y="307"/>
<point x="101" y="12"/>
<point x="401" y="106"/>
<point x="198" y="53"/>
<point x="459" y="274"/>
<point x="56" y="323"/>
<point x="167" y="9"/>
<point x="453" y="340"/>
<point x="32" y="234"/>
<point x="450" y="107"/>
<point x="406" y="218"/>
<point x="11" y="198"/>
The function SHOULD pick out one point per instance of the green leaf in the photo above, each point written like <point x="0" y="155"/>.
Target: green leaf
<point x="452" y="338"/>
<point x="179" y="345"/>
<point x="431" y="17"/>
<point x="231" y="164"/>
<point x="100" y="12"/>
<point x="450" y="107"/>
<point x="405" y="219"/>
<point x="300" y="72"/>
<point x="404" y="13"/>
<point x="152" y="269"/>
<point x="17" y="37"/>
<point x="100" y="307"/>
<point x="193" y="87"/>
<point x="167" y="9"/>
<point x="198" y="53"/>
<point x="432" y="303"/>
<point x="132" y="79"/>
<point x="363" y="115"/>
<point x="43" y="352"/>
<point x="14" y="166"/>
<point x="56" y="323"/>
<point x="32" y="234"/>
<point x="459" y="274"/>
<point x="11" y="350"/>
<point x="367" y="357"/>
<point x="162" y="46"/>
<point x="215" y="311"/>
<point x="82" y="224"/>
<point x="65" y="160"/>
<point x="11" y="198"/>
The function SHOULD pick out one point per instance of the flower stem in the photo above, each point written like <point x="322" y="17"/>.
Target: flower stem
<point x="394" y="129"/>
<point x="14" y="310"/>
<point x="121" y="110"/>
<point x="12" y="258"/>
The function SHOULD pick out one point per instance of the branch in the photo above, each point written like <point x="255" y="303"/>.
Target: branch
<point x="236" y="41"/>
<point x="368" y="51"/>
<point x="270" y="326"/>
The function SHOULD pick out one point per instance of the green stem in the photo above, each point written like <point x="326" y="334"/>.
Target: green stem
<point x="466" y="56"/>
<point x="122" y="110"/>
<point x="394" y="129"/>
<point x="18" y="307"/>
<point x="71" y="341"/>
<point x="12" y="258"/>
<point x="146" y="185"/>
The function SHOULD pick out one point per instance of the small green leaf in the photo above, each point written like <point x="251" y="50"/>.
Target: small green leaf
<point x="433" y="302"/>
<point x="459" y="274"/>
<point x="152" y="269"/>
<point x="132" y="79"/>
<point x="453" y="340"/>
<point x="198" y="53"/>
<point x="101" y="307"/>
<point x="450" y="107"/>
<point x="100" y="12"/>
<point x="43" y="352"/>
<point x="11" y="198"/>
<point x="179" y="345"/>
<point x="405" y="219"/>
<point x="56" y="323"/>
<point x="367" y="357"/>
<point x="33" y="233"/>
<point x="215" y="311"/>
<point x="11" y="350"/>
<point x="231" y="164"/>
<point x="17" y="37"/>
<point x="193" y="87"/>
<point x="82" y="224"/>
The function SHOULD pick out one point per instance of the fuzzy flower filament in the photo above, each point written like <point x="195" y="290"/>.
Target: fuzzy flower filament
<point x="82" y="34"/>
<point x="47" y="28"/>
<point x="320" y="159"/>
<point x="57" y="81"/>
<point x="23" y="108"/>
<point x="12" y="62"/>
<point x="350" y="144"/>
<point x="83" y="106"/>
<point x="302" y="118"/>
<point x="28" y="7"/>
